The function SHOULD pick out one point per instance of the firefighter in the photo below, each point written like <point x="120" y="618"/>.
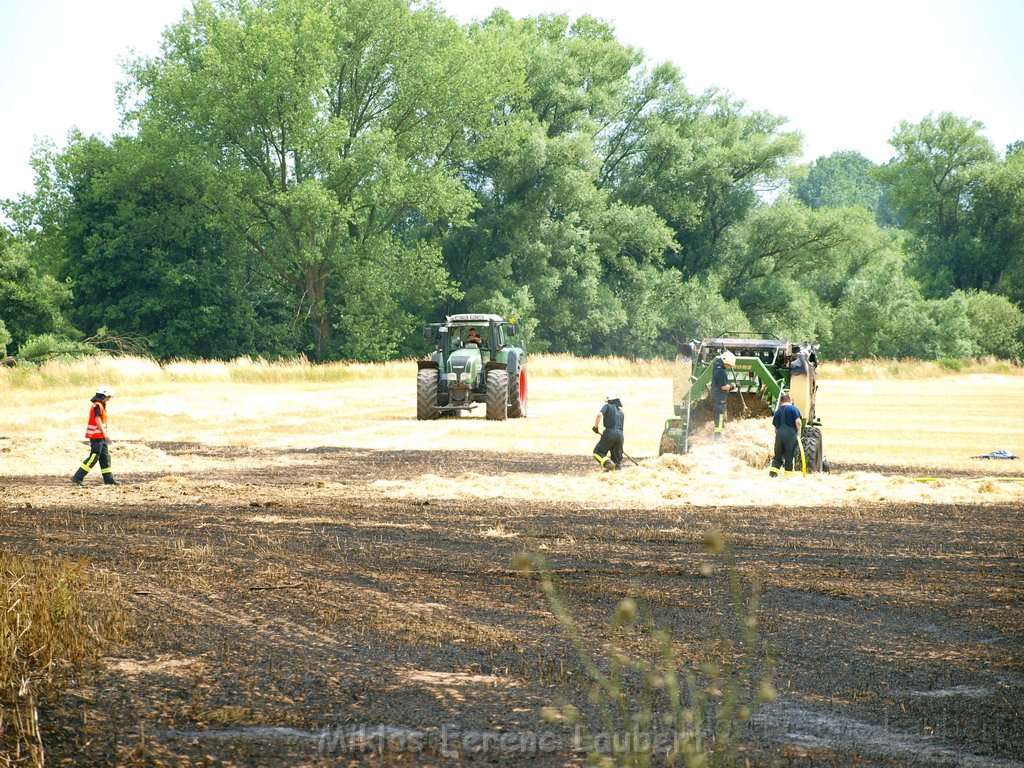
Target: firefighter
<point x="720" y="388"/>
<point x="99" y="439"/>
<point x="612" y="438"/>
<point x="788" y="424"/>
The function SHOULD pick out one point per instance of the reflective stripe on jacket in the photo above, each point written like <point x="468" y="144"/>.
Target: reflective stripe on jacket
<point x="94" y="430"/>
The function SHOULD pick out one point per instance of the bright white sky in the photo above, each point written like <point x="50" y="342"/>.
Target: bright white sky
<point x="843" y="72"/>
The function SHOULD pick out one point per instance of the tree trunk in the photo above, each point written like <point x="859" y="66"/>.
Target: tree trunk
<point x="319" y="321"/>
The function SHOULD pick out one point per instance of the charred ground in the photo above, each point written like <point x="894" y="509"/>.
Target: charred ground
<point x="269" y="604"/>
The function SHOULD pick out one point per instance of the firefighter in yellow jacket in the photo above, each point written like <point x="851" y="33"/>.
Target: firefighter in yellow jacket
<point x="98" y="437"/>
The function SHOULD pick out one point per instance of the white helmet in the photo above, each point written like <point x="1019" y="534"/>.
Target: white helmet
<point x="728" y="358"/>
<point x="105" y="391"/>
<point x="610" y="398"/>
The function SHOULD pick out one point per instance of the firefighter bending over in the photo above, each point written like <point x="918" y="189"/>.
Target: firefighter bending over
<point x="612" y="438"/>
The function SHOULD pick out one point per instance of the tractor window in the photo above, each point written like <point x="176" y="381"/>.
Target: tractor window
<point x="462" y="336"/>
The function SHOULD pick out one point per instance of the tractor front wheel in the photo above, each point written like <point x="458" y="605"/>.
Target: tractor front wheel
<point x="426" y="394"/>
<point x="497" y="395"/>
<point x="517" y="395"/>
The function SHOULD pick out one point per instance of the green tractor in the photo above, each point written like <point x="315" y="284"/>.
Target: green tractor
<point x="473" y="362"/>
<point x="765" y="369"/>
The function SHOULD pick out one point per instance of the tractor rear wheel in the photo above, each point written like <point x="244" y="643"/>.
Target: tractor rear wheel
<point x="426" y="394"/>
<point x="813" y="449"/>
<point x="497" y="395"/>
<point x="517" y="395"/>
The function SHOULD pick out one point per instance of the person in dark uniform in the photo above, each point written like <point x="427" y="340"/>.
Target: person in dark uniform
<point x="612" y="438"/>
<point x="99" y="439"/>
<point x="720" y="388"/>
<point x="788" y="424"/>
<point x="474" y="338"/>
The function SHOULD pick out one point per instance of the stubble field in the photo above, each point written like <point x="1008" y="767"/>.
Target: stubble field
<point x="300" y="556"/>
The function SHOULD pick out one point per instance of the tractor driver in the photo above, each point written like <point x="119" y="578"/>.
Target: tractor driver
<point x="720" y="388"/>
<point x="474" y="338"/>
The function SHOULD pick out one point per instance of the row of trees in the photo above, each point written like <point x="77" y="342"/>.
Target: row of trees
<point x="323" y="176"/>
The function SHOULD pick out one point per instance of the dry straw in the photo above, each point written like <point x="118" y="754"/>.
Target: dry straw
<point x="887" y="368"/>
<point x="55" y="616"/>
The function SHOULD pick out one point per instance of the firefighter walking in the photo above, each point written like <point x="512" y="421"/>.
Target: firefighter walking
<point x="99" y="440"/>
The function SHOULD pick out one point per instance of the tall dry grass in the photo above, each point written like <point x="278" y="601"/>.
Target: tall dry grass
<point x="137" y="370"/>
<point x="612" y="367"/>
<point x="55" y="617"/>
<point x="116" y="371"/>
<point x="887" y="368"/>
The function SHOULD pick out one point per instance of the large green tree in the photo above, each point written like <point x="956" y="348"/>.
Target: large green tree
<point x="991" y="247"/>
<point x="931" y="180"/>
<point x="843" y="179"/>
<point x="333" y="127"/>
<point x="932" y="170"/>
<point x="149" y="261"/>
<point x="700" y="161"/>
<point x="31" y="302"/>
<point x="781" y="260"/>
<point x="546" y="238"/>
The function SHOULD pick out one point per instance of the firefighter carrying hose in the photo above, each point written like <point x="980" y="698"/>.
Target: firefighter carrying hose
<point x="720" y="388"/>
<point x="98" y="437"/>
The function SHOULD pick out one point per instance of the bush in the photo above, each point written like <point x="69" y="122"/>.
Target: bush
<point x="31" y="301"/>
<point x="950" y="331"/>
<point x="696" y="309"/>
<point x="996" y="324"/>
<point x="883" y="314"/>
